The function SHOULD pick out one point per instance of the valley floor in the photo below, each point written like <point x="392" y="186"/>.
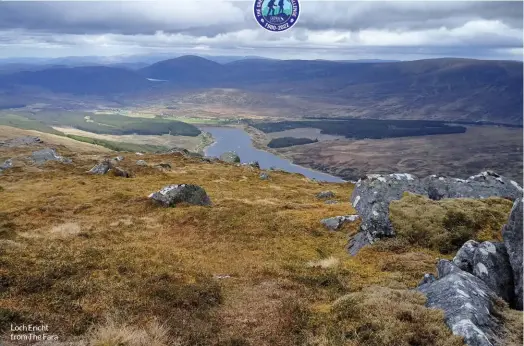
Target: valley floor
<point x="457" y="155"/>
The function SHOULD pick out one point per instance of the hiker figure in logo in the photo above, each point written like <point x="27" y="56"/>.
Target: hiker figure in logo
<point x="271" y="6"/>
<point x="281" y="7"/>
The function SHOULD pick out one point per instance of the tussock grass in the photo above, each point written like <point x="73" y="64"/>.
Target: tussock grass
<point x="446" y="224"/>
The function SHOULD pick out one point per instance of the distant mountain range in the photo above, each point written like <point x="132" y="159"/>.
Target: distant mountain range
<point x="449" y="88"/>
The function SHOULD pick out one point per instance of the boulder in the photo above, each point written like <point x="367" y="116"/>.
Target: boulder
<point x="6" y="165"/>
<point x="512" y="235"/>
<point x="372" y="195"/>
<point x="119" y="158"/>
<point x="119" y="172"/>
<point x="254" y="164"/>
<point x="164" y="166"/>
<point x="141" y="163"/>
<point x="101" y="168"/>
<point x="230" y="157"/>
<point x="358" y="241"/>
<point x="325" y="195"/>
<point x="20" y="141"/>
<point x="48" y="154"/>
<point x="464" y="257"/>
<point x="468" y="304"/>
<point x="264" y="176"/>
<point x="491" y="265"/>
<point x="334" y="223"/>
<point x="171" y="195"/>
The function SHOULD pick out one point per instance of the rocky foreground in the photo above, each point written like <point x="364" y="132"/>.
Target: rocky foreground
<point x="179" y="249"/>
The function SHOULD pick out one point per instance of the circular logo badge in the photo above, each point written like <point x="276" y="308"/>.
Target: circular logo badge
<point x="276" y="15"/>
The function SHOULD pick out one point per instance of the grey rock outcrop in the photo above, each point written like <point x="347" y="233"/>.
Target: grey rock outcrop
<point x="325" y="195"/>
<point x="21" y="141"/>
<point x="358" y="241"/>
<point x="141" y="163"/>
<point x="512" y="235"/>
<point x="48" y="154"/>
<point x="491" y="265"/>
<point x="101" y="168"/>
<point x="172" y="195"/>
<point x="230" y="157"/>
<point x="372" y="195"/>
<point x="468" y="304"/>
<point x="334" y="223"/>
<point x="464" y="257"/>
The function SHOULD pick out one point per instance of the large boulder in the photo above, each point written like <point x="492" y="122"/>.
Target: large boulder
<point x="172" y="195"/>
<point x="230" y="157"/>
<point x="512" y="235"/>
<point x="372" y="195"/>
<point x="491" y="265"/>
<point x="468" y="304"/>
<point x="48" y="154"/>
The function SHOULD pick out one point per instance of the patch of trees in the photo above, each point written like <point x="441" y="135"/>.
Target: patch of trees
<point x="283" y="142"/>
<point x="366" y="128"/>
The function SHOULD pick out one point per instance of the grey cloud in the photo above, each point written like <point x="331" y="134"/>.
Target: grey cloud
<point x="220" y="17"/>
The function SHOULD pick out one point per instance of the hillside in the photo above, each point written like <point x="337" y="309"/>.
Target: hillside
<point x="434" y="89"/>
<point x="96" y="260"/>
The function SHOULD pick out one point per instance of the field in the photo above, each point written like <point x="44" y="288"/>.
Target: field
<point x="458" y="155"/>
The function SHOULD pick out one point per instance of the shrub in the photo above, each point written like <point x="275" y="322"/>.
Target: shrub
<point x="446" y="224"/>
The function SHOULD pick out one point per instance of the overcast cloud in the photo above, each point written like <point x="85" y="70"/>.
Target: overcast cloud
<point x="326" y="29"/>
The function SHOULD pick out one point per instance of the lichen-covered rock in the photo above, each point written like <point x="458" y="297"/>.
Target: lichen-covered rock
<point x="372" y="195"/>
<point x="468" y="305"/>
<point x="264" y="176"/>
<point x="141" y="163"/>
<point x="464" y="257"/>
<point x="101" y="168"/>
<point x="491" y="265"/>
<point x="334" y="223"/>
<point x="20" y="141"/>
<point x="325" y="194"/>
<point x="230" y="157"/>
<point x="512" y="235"/>
<point x="48" y="154"/>
<point x="172" y="195"/>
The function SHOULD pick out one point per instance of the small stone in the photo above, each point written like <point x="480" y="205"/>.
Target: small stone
<point x="230" y="157"/>
<point x="119" y="172"/>
<point x="141" y="163"/>
<point x="264" y="176"/>
<point x="325" y="194"/>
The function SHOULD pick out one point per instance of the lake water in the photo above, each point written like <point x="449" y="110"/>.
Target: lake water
<point x="236" y="139"/>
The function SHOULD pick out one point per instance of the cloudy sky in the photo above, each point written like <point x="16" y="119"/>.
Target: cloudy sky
<point x="325" y="30"/>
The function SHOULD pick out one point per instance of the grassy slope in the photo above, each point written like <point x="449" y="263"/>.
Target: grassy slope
<point x="94" y="259"/>
<point x="118" y="146"/>
<point x="21" y="122"/>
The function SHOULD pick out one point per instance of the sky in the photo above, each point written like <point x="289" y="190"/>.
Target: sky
<point x="341" y="30"/>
